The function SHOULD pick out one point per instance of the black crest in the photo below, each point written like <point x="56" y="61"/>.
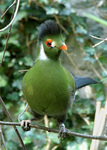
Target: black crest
<point x="48" y="28"/>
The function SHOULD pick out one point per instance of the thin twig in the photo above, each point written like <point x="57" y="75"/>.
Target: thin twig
<point x="22" y="70"/>
<point x="15" y="13"/>
<point x="1" y="101"/>
<point x="55" y="147"/>
<point x="104" y="138"/>
<point x="7" y="38"/>
<point x="46" y="121"/>
<point x="22" y="112"/>
<point x="100" y="42"/>
<point x="94" y="70"/>
<point x="5" y="47"/>
<point x="8" y="9"/>
<point x="100" y="64"/>
<point x="8" y="114"/>
<point x="72" y="62"/>
<point x="96" y="6"/>
<point x="34" y="18"/>
<point x="2" y="137"/>
<point x="81" y="48"/>
<point x="95" y="37"/>
<point x="62" y="27"/>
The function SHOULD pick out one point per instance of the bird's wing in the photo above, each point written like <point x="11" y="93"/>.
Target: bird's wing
<point x="83" y="81"/>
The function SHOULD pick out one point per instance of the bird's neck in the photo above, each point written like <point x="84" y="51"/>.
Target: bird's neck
<point x="42" y="55"/>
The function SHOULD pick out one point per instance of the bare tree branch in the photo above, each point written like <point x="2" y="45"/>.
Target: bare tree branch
<point x="97" y="6"/>
<point x="95" y="37"/>
<point x="72" y="62"/>
<point x="100" y="64"/>
<point x="102" y="40"/>
<point x="22" y="112"/>
<point x="2" y="137"/>
<point x="8" y="9"/>
<point x="8" y="32"/>
<point x="15" y="13"/>
<point x="104" y="138"/>
<point x="8" y="114"/>
<point x="95" y="55"/>
<point x="62" y="27"/>
<point x="1" y="101"/>
<point x="81" y="48"/>
<point x="5" y="47"/>
<point x="95" y="71"/>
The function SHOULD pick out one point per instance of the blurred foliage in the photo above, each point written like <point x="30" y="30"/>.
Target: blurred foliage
<point x="21" y="53"/>
<point x="99" y="20"/>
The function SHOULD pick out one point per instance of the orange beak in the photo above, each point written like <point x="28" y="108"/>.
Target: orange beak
<point x="63" y="47"/>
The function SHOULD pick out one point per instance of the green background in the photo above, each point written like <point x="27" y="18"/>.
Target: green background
<point x="78" y="21"/>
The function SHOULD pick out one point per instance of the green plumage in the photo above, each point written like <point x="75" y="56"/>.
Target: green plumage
<point x="48" y="87"/>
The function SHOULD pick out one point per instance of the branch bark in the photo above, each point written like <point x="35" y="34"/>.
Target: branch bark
<point x="2" y="137"/>
<point x="8" y="9"/>
<point x="16" y="130"/>
<point x="104" y="138"/>
<point x="15" y="10"/>
<point x="13" y="18"/>
<point x="102" y="40"/>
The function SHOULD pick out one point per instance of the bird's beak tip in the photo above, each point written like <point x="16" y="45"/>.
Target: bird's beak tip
<point x="63" y="47"/>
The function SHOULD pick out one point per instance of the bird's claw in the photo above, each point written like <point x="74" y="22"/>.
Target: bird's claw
<point x="25" y="125"/>
<point x="62" y="131"/>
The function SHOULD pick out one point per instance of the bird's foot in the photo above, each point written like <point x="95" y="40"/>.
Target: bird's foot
<point x="62" y="131"/>
<point x="25" y="125"/>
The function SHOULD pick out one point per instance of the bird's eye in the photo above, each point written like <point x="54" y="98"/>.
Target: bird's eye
<point x="49" y="42"/>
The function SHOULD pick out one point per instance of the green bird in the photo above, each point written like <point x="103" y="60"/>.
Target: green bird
<point x="48" y="87"/>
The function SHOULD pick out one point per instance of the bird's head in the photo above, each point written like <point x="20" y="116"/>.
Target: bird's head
<point x="50" y="40"/>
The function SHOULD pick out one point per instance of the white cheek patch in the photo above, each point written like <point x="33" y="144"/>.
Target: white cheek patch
<point x="42" y="55"/>
<point x="53" y="44"/>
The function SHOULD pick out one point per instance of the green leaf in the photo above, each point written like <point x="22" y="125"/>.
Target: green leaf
<point x="14" y="40"/>
<point x="13" y="96"/>
<point x="44" y="1"/>
<point x="54" y="137"/>
<point x="89" y="58"/>
<point x="89" y="50"/>
<point x="27" y="140"/>
<point x="17" y="84"/>
<point x="7" y="54"/>
<point x="9" y="105"/>
<point x="80" y="39"/>
<point x="3" y="81"/>
<point x="20" y="16"/>
<point x="65" y="12"/>
<point x="104" y="80"/>
<point x="100" y="98"/>
<point x="80" y="29"/>
<point x="51" y="10"/>
<point x="12" y="62"/>
<point x="40" y="137"/>
<point x="27" y="60"/>
<point x="10" y="144"/>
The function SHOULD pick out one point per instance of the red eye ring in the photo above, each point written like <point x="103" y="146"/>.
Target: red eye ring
<point x="49" y="42"/>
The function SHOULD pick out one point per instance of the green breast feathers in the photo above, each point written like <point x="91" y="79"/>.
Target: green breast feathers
<point x="48" y="87"/>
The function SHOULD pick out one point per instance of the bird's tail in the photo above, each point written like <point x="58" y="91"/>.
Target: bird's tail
<point x="83" y="81"/>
